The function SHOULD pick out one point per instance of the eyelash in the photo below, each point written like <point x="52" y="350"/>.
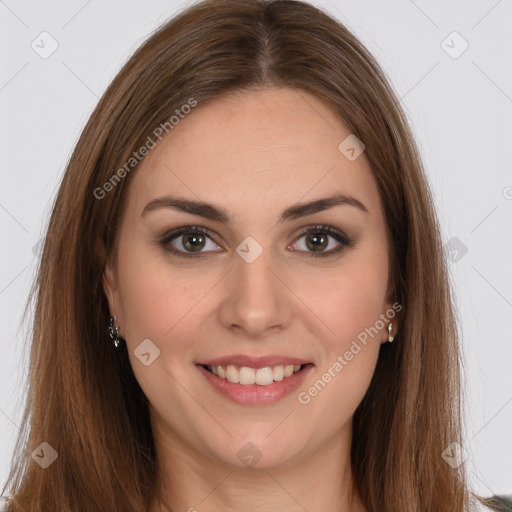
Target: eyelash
<point x="339" y="236"/>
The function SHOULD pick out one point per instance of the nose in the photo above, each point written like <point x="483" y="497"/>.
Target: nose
<point x="258" y="300"/>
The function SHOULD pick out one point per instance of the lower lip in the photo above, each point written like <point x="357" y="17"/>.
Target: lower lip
<point x="255" y="394"/>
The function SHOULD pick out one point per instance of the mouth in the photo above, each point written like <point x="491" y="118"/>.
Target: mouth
<point x="247" y="376"/>
<point x="254" y="385"/>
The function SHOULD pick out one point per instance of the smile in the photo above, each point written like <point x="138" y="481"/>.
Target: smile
<point x="247" y="376"/>
<point x="246" y="385"/>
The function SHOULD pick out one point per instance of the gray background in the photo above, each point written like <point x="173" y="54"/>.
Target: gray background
<point x="460" y="109"/>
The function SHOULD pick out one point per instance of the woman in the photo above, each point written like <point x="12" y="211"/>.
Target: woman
<point x="242" y="302"/>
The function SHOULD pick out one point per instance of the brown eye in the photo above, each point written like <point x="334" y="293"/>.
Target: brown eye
<point x="189" y="241"/>
<point x="193" y="242"/>
<point x="317" y="241"/>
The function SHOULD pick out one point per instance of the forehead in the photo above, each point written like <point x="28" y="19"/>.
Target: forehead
<point x="255" y="151"/>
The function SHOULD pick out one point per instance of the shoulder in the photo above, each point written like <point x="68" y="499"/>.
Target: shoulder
<point x="3" y="504"/>
<point x="496" y="503"/>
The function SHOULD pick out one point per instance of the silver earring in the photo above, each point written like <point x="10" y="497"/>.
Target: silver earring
<point x="113" y="331"/>
<point x="390" y="328"/>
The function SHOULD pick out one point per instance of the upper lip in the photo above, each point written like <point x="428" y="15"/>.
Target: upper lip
<point x="254" y="362"/>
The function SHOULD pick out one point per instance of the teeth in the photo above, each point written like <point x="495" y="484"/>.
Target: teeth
<point x="278" y="373"/>
<point x="232" y="374"/>
<point x="264" y="376"/>
<point x="247" y="376"/>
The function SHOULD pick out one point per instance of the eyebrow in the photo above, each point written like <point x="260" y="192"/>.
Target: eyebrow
<point x="212" y="212"/>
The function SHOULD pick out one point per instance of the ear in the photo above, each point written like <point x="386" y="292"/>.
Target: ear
<point x="392" y="314"/>
<point x="109" y="284"/>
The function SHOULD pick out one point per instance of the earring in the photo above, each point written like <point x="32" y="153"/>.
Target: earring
<point x="390" y="328"/>
<point x="113" y="331"/>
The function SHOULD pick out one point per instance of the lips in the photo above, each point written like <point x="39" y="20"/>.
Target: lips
<point x="255" y="394"/>
<point x="251" y="380"/>
<point x="247" y="370"/>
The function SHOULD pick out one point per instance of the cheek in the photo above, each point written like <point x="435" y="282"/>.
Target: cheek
<point x="161" y="304"/>
<point x="349" y="354"/>
<point x="353" y="314"/>
<point x="351" y="303"/>
<point x="154" y="298"/>
<point x="351" y="299"/>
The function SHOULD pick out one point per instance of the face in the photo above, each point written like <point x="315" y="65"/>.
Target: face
<point x="242" y="285"/>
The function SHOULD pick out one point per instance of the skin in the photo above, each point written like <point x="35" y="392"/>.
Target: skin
<point x="254" y="154"/>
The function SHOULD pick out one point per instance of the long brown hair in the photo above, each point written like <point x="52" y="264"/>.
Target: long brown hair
<point x="83" y="398"/>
